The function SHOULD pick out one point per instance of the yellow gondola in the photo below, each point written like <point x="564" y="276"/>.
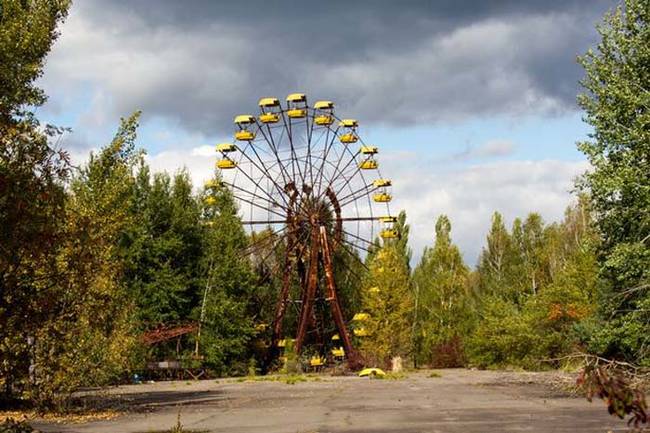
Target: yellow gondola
<point x="348" y="138"/>
<point x="323" y="120"/>
<point x="336" y="337"/>
<point x="244" y="135"/>
<point x="389" y="234"/>
<point x="295" y="98"/>
<point x="226" y="147"/>
<point x="369" y="150"/>
<point x="226" y="164"/>
<point x="382" y="197"/>
<point x="388" y="219"/>
<point x="349" y="123"/>
<point x="338" y="352"/>
<point x="209" y="200"/>
<point x="360" y="317"/>
<point x="368" y="164"/>
<point x="361" y="332"/>
<point x="324" y="105"/>
<point x="269" y="102"/>
<point x="297" y="113"/>
<point x="297" y="105"/>
<point x="244" y="119"/>
<point x="269" y="118"/>
<point x="282" y="343"/>
<point x="317" y="361"/>
<point x="382" y="183"/>
<point x="261" y="327"/>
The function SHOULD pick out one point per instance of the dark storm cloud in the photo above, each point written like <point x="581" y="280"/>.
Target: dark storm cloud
<point x="201" y="62"/>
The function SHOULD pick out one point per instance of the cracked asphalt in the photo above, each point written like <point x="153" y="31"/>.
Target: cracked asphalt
<point x="459" y="401"/>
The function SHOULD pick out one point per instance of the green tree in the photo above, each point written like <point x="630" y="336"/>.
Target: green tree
<point x="616" y="103"/>
<point x="28" y="29"/>
<point x="88" y="339"/>
<point x="32" y="195"/>
<point x="443" y="303"/>
<point x="387" y="299"/>
<point x="226" y="311"/>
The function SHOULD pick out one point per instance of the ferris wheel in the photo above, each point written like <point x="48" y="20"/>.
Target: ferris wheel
<point x="306" y="177"/>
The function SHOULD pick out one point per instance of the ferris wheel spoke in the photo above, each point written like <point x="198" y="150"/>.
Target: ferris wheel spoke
<point x="266" y="171"/>
<point x="254" y="195"/>
<point x="269" y="236"/>
<point x="254" y="182"/>
<point x="257" y="205"/>
<point x="348" y="178"/>
<point x="274" y="150"/>
<point x="358" y="195"/>
<point x="365" y="189"/>
<point x="326" y="151"/>
<point x="287" y="127"/>
<point x="357" y="237"/>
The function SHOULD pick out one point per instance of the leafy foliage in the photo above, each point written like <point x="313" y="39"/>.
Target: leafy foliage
<point x="616" y="101"/>
<point x="390" y="307"/>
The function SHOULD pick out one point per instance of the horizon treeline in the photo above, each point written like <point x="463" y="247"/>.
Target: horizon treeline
<point x="93" y="257"/>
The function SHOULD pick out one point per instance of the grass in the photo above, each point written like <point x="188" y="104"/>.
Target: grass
<point x="435" y="374"/>
<point x="289" y="379"/>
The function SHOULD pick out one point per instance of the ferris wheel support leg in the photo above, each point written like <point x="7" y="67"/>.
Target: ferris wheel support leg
<point x="310" y="292"/>
<point x="355" y="361"/>
<point x="279" y="313"/>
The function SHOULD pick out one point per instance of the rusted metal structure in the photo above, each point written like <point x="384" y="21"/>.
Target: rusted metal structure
<point x="308" y="177"/>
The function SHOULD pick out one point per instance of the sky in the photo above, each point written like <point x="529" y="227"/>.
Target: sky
<point x="471" y="103"/>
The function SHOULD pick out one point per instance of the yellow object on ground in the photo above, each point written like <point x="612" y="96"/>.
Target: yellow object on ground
<point x="372" y="372"/>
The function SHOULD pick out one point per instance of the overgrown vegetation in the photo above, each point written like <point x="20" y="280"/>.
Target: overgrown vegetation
<point x="91" y="258"/>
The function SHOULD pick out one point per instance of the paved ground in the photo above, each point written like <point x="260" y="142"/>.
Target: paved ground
<point x="459" y="401"/>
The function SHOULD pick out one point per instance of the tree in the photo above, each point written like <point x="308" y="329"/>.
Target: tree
<point x="88" y="339"/>
<point x="226" y="312"/>
<point x="32" y="195"/>
<point x="34" y="24"/>
<point x="388" y="301"/>
<point x="495" y="259"/>
<point x="443" y="303"/>
<point x="617" y="105"/>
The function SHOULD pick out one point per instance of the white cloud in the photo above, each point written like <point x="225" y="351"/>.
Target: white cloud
<point x="469" y="196"/>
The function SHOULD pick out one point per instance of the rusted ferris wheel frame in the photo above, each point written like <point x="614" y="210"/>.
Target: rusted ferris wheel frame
<point x="304" y="176"/>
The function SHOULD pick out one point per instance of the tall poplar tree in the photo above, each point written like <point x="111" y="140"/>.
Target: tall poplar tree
<point x="616" y="101"/>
